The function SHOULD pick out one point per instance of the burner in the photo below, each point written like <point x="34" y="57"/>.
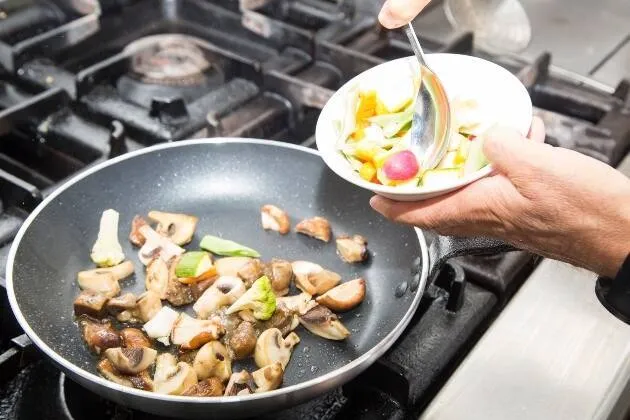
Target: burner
<point x="174" y="60"/>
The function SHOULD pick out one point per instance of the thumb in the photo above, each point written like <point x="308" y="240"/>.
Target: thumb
<point x="509" y="152"/>
<point x="396" y="13"/>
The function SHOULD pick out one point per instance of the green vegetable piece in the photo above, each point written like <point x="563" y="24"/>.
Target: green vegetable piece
<point x="260" y="299"/>
<point x="193" y="264"/>
<point x="476" y="159"/>
<point x="226" y="247"/>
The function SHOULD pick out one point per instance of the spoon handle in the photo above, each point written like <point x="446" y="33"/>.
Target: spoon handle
<point x="415" y="44"/>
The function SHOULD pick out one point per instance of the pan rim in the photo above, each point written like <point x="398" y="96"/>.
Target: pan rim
<point x="363" y="361"/>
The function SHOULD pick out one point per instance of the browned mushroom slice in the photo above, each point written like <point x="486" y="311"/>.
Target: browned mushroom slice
<point x="191" y="333"/>
<point x="240" y="383"/>
<point x="251" y="271"/>
<point x="178" y="227"/>
<point x="298" y="304"/>
<point x="322" y="322"/>
<point x="229" y="266"/>
<point x="243" y="340"/>
<point x="345" y="296"/>
<point x="157" y="277"/>
<point x="225" y="291"/>
<point x="105" y="280"/>
<point x="274" y="218"/>
<point x="272" y="348"/>
<point x="315" y="227"/>
<point x="324" y="280"/>
<point x="199" y="287"/>
<point x="211" y="387"/>
<point x="99" y="336"/>
<point x="269" y="377"/>
<point x="131" y="361"/>
<point x="280" y="273"/>
<point x="177" y="293"/>
<point x="147" y="305"/>
<point x="122" y="307"/>
<point x="157" y="246"/>
<point x="172" y="378"/>
<point x="91" y="304"/>
<point x="302" y="270"/>
<point x="133" y="337"/>
<point x="213" y="360"/>
<point x="135" y="236"/>
<point x="282" y="319"/>
<point x="352" y="249"/>
<point x="139" y="381"/>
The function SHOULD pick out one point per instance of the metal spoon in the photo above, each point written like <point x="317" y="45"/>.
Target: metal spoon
<point x="430" y="127"/>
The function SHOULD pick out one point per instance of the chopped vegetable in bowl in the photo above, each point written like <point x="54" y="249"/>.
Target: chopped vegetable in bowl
<point x="374" y="135"/>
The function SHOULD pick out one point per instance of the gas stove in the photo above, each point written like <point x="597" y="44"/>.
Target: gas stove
<point x="83" y="82"/>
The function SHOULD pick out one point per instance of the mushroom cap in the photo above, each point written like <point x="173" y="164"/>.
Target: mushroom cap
<point x="148" y="305"/>
<point x="324" y="280"/>
<point x="243" y="340"/>
<point x="213" y="360"/>
<point x="139" y="381"/>
<point x="316" y="227"/>
<point x="103" y="283"/>
<point x="133" y="337"/>
<point x="91" y="304"/>
<point x="345" y="296"/>
<point x="223" y="292"/>
<point x="211" y="387"/>
<point x="99" y="335"/>
<point x="322" y="322"/>
<point x="131" y="360"/>
<point x="269" y="377"/>
<point x="272" y="348"/>
<point x="302" y="271"/>
<point x="352" y="249"/>
<point x="178" y="227"/>
<point x="280" y="273"/>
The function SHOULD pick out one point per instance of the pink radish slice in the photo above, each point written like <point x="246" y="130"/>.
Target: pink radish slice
<point x="401" y="166"/>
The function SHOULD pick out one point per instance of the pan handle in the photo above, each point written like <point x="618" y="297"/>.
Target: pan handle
<point x="444" y="248"/>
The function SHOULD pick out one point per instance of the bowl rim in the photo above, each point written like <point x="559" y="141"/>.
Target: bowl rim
<point x="324" y="148"/>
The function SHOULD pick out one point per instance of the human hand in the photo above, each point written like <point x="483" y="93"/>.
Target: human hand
<point x="552" y="201"/>
<point x="396" y="13"/>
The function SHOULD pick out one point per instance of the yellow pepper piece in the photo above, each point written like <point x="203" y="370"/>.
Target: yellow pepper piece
<point x="380" y="158"/>
<point x="380" y="108"/>
<point x="367" y="171"/>
<point x="359" y="132"/>
<point x="367" y="105"/>
<point x="366" y="153"/>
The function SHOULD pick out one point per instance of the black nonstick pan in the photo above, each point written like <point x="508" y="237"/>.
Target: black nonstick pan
<point x="224" y="182"/>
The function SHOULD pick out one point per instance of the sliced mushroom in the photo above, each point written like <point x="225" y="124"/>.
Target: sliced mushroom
<point x="352" y="249"/>
<point x="229" y="266"/>
<point x="272" y="348"/>
<point x="213" y="359"/>
<point x="345" y="296"/>
<point x="282" y="319"/>
<point x="173" y="378"/>
<point x="313" y="278"/>
<point x="323" y="281"/>
<point x="274" y="218"/>
<point x="157" y="277"/>
<point x="302" y="270"/>
<point x="156" y="246"/>
<point x="161" y="325"/>
<point x="243" y="340"/>
<point x="225" y="291"/>
<point x="105" y="280"/>
<point x="280" y="273"/>
<point x="315" y="227"/>
<point x="147" y="305"/>
<point x="240" y="383"/>
<point x="211" y="387"/>
<point x="135" y="237"/>
<point x="177" y="293"/>
<point x="133" y="337"/>
<point x="269" y="377"/>
<point x="139" y="381"/>
<point x="131" y="361"/>
<point x="178" y="227"/>
<point x="199" y="287"/>
<point x="322" y="322"/>
<point x="251" y="271"/>
<point x="247" y="315"/>
<point x="122" y="306"/>
<point x="298" y="304"/>
<point x="191" y="333"/>
<point x="99" y="336"/>
<point x="91" y="304"/>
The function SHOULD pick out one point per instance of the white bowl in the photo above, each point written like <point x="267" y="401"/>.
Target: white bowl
<point x="502" y="96"/>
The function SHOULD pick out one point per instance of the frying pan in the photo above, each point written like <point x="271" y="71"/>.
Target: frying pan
<point x="224" y="182"/>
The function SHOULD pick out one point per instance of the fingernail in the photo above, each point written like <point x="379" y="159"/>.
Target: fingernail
<point x="373" y="201"/>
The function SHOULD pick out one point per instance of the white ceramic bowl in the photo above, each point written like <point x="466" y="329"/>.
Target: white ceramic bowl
<point x="502" y="96"/>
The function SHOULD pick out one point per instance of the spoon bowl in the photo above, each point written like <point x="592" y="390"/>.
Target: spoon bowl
<point x="502" y="96"/>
